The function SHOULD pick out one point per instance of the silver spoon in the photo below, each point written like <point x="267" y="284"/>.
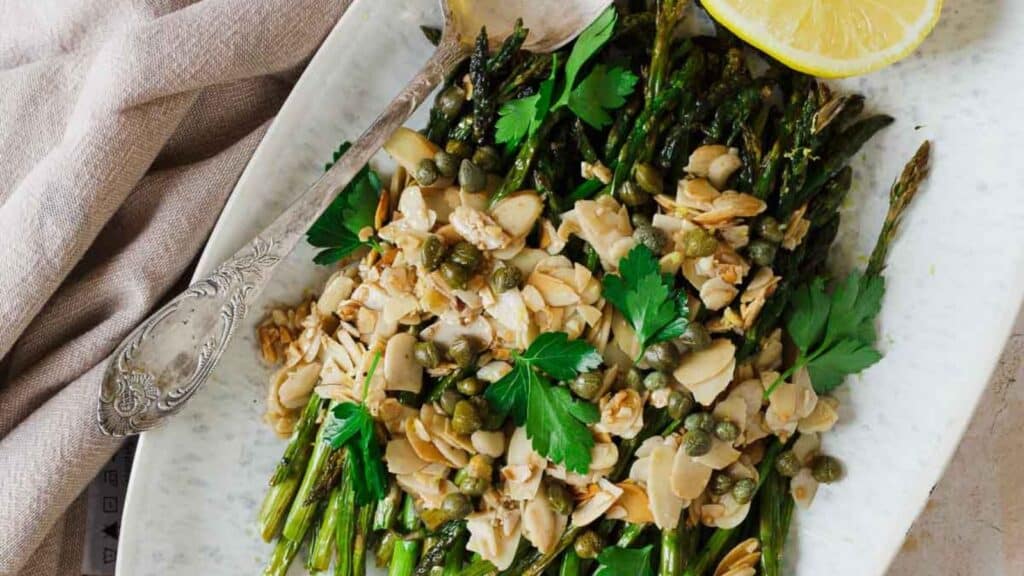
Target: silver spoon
<point x="162" y="363"/>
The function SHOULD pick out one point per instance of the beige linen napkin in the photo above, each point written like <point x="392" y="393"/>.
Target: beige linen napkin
<point x="124" y="125"/>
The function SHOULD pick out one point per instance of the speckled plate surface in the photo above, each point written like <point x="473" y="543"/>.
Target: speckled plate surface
<point x="955" y="283"/>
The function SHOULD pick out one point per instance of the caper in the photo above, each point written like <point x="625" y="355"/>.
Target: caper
<point x="462" y="352"/>
<point x="743" y="490"/>
<point x="588" y="545"/>
<point x="726" y="430"/>
<point x="471" y="177"/>
<point x="662" y="356"/>
<point x="697" y="443"/>
<point x="433" y="518"/>
<point x="826" y="469"/>
<point x="458" y="149"/>
<point x="505" y="278"/>
<point x="480" y="466"/>
<point x="633" y="379"/>
<point x="466" y="255"/>
<point x="587" y="385"/>
<point x="656" y="380"/>
<point x="696" y="337"/>
<point x="698" y="243"/>
<point x="456" y="276"/>
<point x="721" y="484"/>
<point x="449" y="398"/>
<point x="450" y="101"/>
<point x="648" y="178"/>
<point x="559" y="496"/>
<point x="631" y="195"/>
<point x="788" y="464"/>
<point x="465" y="419"/>
<point x="483" y="408"/>
<point x="447" y="164"/>
<point x="700" y="421"/>
<point x="456" y="506"/>
<point x="638" y="220"/>
<point x="432" y="252"/>
<point x="474" y="486"/>
<point x="487" y="158"/>
<point x="426" y="172"/>
<point x="769" y="229"/>
<point x="426" y="354"/>
<point x="680" y="403"/>
<point x="651" y="237"/>
<point x="470" y="386"/>
<point x="762" y="252"/>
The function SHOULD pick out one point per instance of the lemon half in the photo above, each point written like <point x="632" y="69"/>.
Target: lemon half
<point x="830" y="38"/>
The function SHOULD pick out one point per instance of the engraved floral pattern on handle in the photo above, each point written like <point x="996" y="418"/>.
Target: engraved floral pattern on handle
<point x="137" y="392"/>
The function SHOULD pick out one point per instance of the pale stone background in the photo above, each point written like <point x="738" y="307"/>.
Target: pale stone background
<point x="973" y="524"/>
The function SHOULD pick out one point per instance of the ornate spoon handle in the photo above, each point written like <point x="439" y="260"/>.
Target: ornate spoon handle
<point x="162" y="363"/>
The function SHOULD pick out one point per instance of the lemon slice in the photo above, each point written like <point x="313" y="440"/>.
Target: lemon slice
<point x="830" y="38"/>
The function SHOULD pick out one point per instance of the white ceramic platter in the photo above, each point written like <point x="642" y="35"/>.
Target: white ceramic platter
<point x="955" y="283"/>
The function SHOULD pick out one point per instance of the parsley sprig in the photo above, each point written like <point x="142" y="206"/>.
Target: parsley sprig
<point x="603" y="89"/>
<point x="555" y="420"/>
<point x="351" y="425"/>
<point x="647" y="298"/>
<point x="337" y="229"/>
<point x="617" y="561"/>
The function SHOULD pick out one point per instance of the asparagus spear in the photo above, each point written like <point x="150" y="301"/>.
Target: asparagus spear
<point x="292" y="461"/>
<point x="771" y="530"/>
<point x="443" y="541"/>
<point x="364" y="529"/>
<point x="321" y="551"/>
<point x="671" y="552"/>
<point x="345" y="528"/>
<point x="275" y="505"/>
<point x="630" y="534"/>
<point x="571" y="564"/>
<point x="533" y="67"/>
<point x="524" y="158"/>
<point x="403" y="560"/>
<point x="454" y="557"/>
<point x="903" y="191"/>
<point x="301" y="514"/>
<point x="387" y="509"/>
<point x="484" y="104"/>
<point x="669" y="14"/>
<point x="498" y="64"/>
<point x="281" y="559"/>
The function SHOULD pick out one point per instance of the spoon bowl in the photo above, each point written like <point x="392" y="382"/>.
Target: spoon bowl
<point x="552" y="23"/>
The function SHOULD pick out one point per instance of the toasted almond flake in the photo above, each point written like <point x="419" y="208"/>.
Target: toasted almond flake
<point x="720" y="456"/>
<point x="601" y="497"/>
<point x="806" y="447"/>
<point x="731" y="205"/>
<point x="524" y="468"/>
<point x="401" y="458"/>
<point x="541" y="524"/>
<point x="733" y="409"/>
<point x="603" y="456"/>
<point x="489" y="443"/>
<point x="401" y="371"/>
<point x="634" y="503"/>
<point x="518" y="212"/>
<point x="419" y="439"/>
<point x="731" y="514"/>
<point x="689" y="477"/>
<point x="507" y="253"/>
<point x="449" y="327"/>
<point x="554" y="291"/>
<point x="393" y="414"/>
<point x="454" y="456"/>
<point x="550" y="241"/>
<point x="716" y="293"/>
<point x="493" y="371"/>
<point x="722" y="167"/>
<point x="665" y="504"/>
<point x="298" y="385"/>
<point x="803" y="487"/>
<point x="744" y="555"/>
<point x="703" y="364"/>
<point x="479" y="229"/>
<point x="339" y="287"/>
<point x="796" y="229"/>
<point x="822" y="418"/>
<point x="603" y="224"/>
<point x="622" y="414"/>
<point x="409" y="147"/>
<point x="494" y="538"/>
<point x="700" y="159"/>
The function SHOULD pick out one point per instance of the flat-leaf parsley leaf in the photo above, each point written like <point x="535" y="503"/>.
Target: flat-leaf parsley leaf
<point x="337" y="229"/>
<point x="617" y="561"/>
<point x="555" y="420"/>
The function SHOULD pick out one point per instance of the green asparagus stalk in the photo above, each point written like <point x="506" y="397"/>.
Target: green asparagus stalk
<point x="386" y="548"/>
<point x="571" y="564"/>
<point x="770" y="504"/>
<point x="534" y="563"/>
<point x="345" y="527"/>
<point x="281" y="559"/>
<point x="524" y="158"/>
<point x="403" y="561"/>
<point x="619" y="131"/>
<point x="321" y="550"/>
<point x="533" y="67"/>
<point x="301" y="514"/>
<point x="292" y="461"/>
<point x="328" y="477"/>
<point x="902" y="192"/>
<point x="276" y="504"/>
<point x="479" y="567"/>
<point x="671" y="552"/>
<point x="455" y="556"/>
<point x="825" y="205"/>
<point x="498" y="64"/>
<point x="387" y="509"/>
<point x="484" y="101"/>
<point x="631" y="534"/>
<point x="364" y="529"/>
<point x="670" y="13"/>
<point x="443" y="540"/>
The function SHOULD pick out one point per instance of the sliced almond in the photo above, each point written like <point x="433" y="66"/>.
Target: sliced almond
<point x="720" y="457"/>
<point x="298" y="385"/>
<point x="689" y="477"/>
<point x="722" y="168"/>
<point x="634" y="503"/>
<point x="731" y="205"/>
<point x="803" y="487"/>
<point x="665" y="505"/>
<point x="701" y="159"/>
<point x="703" y="364"/>
<point x="554" y="291"/>
<point x="601" y="497"/>
<point x="401" y="458"/>
<point x="409" y="147"/>
<point x="401" y="371"/>
<point x="418" y="437"/>
<point x="518" y="212"/>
